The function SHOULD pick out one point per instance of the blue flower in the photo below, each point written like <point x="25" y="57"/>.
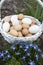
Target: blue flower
<point x="35" y="47"/>
<point x="37" y="57"/>
<point x="5" y="52"/>
<point x="39" y="50"/>
<point x="32" y="63"/>
<point x="42" y="55"/>
<point x="21" y="46"/>
<point x="24" y="58"/>
<point x="28" y="54"/>
<point x="31" y="45"/>
<point x="26" y="47"/>
<point x="1" y="55"/>
<point x="8" y="56"/>
<point x="25" y="50"/>
<point x="13" y="47"/>
<point x="17" y="53"/>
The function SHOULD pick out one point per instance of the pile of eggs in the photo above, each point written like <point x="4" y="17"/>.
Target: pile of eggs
<point x="20" y="26"/>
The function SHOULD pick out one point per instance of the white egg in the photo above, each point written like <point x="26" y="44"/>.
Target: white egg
<point x="34" y="29"/>
<point x="6" y="26"/>
<point x="14" y="20"/>
<point x="27" y="21"/>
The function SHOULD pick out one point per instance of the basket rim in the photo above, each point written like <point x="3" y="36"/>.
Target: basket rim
<point x="8" y="35"/>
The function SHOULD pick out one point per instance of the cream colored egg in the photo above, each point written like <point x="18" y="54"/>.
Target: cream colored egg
<point x="7" y="19"/>
<point x="25" y="25"/>
<point x="26" y="21"/>
<point x="20" y="22"/>
<point x="18" y="27"/>
<point x="20" y="16"/>
<point x="6" y="26"/>
<point x="25" y="31"/>
<point x="34" y="29"/>
<point x="14" y="20"/>
<point x="13" y="32"/>
<point x="19" y="34"/>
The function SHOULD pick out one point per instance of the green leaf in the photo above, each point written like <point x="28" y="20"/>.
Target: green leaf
<point x="19" y="10"/>
<point x="41" y="17"/>
<point x="30" y="8"/>
<point x="38" y="11"/>
<point x="12" y="61"/>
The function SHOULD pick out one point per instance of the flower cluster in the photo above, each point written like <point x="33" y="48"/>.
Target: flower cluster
<point x="4" y="55"/>
<point x="28" y="53"/>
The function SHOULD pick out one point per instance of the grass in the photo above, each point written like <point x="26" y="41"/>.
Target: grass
<point x="32" y="9"/>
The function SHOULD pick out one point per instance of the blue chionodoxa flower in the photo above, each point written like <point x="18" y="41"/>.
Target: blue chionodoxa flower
<point x="37" y="57"/>
<point x="5" y="55"/>
<point x="13" y="47"/>
<point x="35" y="47"/>
<point x="28" y="54"/>
<point x="26" y="47"/>
<point x="31" y="45"/>
<point x="8" y="56"/>
<point x="17" y="53"/>
<point x="24" y="58"/>
<point x="41" y="55"/>
<point x="31" y="63"/>
<point x="1" y="55"/>
<point x="20" y="46"/>
<point x="5" y="52"/>
<point x="39" y="50"/>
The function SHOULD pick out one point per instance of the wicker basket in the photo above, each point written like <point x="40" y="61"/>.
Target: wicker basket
<point x="12" y="39"/>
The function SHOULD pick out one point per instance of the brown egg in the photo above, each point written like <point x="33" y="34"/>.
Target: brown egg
<point x="25" y="25"/>
<point x="19" y="34"/>
<point x="13" y="32"/>
<point x="18" y="27"/>
<point x="29" y="34"/>
<point x="33" y="21"/>
<point x="25" y="31"/>
<point x="12" y="27"/>
<point x="32" y="24"/>
<point x="7" y="19"/>
<point x="20" y="16"/>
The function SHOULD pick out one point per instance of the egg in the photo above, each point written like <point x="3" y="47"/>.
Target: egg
<point x="28" y="35"/>
<point x="25" y="31"/>
<point x="19" y="34"/>
<point x="12" y="27"/>
<point x="34" y="29"/>
<point x="13" y="32"/>
<point x="20" y="22"/>
<point x="18" y="27"/>
<point x="20" y="16"/>
<point x="6" y="26"/>
<point x="25" y="25"/>
<point x="33" y="21"/>
<point x="14" y="20"/>
<point x="7" y="19"/>
<point x="26" y="21"/>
